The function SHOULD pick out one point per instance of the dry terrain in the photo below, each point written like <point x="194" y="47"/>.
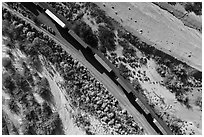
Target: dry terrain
<point x="153" y="22"/>
<point x="165" y="31"/>
<point x="35" y="64"/>
<point x="61" y="100"/>
<point x="153" y="25"/>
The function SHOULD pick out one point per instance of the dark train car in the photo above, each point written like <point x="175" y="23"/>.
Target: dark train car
<point x="123" y="85"/>
<point x="73" y="34"/>
<point x="159" y="126"/>
<point x="102" y="63"/>
<point x="142" y="106"/>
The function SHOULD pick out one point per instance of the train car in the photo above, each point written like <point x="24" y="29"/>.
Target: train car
<point x="123" y="85"/>
<point x="73" y="34"/>
<point x="142" y="106"/>
<point x="55" y="18"/>
<point x="160" y="127"/>
<point x="119" y="88"/>
<point x="102" y="62"/>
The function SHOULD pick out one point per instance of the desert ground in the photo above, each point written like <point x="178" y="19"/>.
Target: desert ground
<point x="165" y="31"/>
<point x="147" y="21"/>
<point x="170" y="35"/>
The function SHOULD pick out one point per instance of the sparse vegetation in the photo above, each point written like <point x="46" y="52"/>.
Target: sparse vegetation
<point x="195" y="7"/>
<point x="35" y="121"/>
<point x="84" y="91"/>
<point x="106" y="34"/>
<point x="198" y="102"/>
<point x="179" y="76"/>
<point x="124" y="71"/>
<point x="107" y="38"/>
<point x="84" y="31"/>
<point x="5" y="130"/>
<point x="92" y="98"/>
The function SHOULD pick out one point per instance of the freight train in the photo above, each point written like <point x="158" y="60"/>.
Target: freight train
<point x="54" y="17"/>
<point x="142" y="106"/>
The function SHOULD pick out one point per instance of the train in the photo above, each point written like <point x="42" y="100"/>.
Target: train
<point x="102" y="63"/>
<point x="73" y="34"/>
<point x="142" y="106"/>
<point x="159" y="126"/>
<point x="106" y="66"/>
<point x="55" y="18"/>
<point x="124" y="85"/>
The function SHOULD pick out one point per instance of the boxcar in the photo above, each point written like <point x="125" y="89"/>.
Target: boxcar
<point x="73" y="34"/>
<point x="160" y="127"/>
<point x="142" y="106"/>
<point x="55" y="18"/>
<point x="102" y="62"/>
<point x="123" y="85"/>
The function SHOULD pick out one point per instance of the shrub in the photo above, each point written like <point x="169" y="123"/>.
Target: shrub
<point x="13" y="106"/>
<point x="107" y="38"/>
<point x="124" y="71"/>
<point x="85" y="32"/>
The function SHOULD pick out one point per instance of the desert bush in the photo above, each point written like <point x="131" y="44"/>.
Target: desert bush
<point x="8" y="83"/>
<point x="124" y="71"/>
<point x="172" y="3"/>
<point x="195" y="7"/>
<point x="198" y="102"/>
<point x="85" y="32"/>
<point x="107" y="38"/>
<point x="5" y="130"/>
<point x="20" y="87"/>
<point x="13" y="106"/>
<point x="7" y="62"/>
<point x="129" y="52"/>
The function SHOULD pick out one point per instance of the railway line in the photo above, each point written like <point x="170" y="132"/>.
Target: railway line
<point x="106" y="68"/>
<point x="108" y="83"/>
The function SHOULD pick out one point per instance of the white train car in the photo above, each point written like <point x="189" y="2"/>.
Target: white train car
<point x="103" y="63"/>
<point x="71" y="32"/>
<point x="55" y="18"/>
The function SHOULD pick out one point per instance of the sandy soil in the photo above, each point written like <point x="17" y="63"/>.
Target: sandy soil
<point x="158" y="93"/>
<point x="164" y="100"/>
<point x="66" y="111"/>
<point x="160" y="27"/>
<point x="62" y="104"/>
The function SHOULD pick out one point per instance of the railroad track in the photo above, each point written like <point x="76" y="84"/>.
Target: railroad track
<point x="111" y="87"/>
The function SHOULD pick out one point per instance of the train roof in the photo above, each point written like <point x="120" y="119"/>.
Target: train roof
<point x="102" y="62"/>
<point x="77" y="38"/>
<point x="124" y="85"/>
<point x="55" y="18"/>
